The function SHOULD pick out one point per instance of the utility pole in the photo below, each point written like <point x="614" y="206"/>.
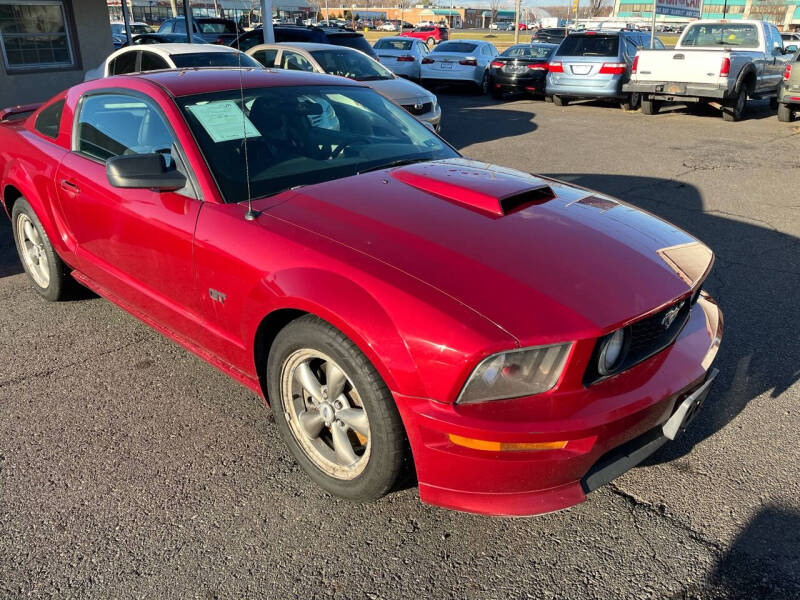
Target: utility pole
<point x="516" y="22"/>
<point x="187" y="9"/>
<point x="127" y="19"/>
<point x="266" y="22"/>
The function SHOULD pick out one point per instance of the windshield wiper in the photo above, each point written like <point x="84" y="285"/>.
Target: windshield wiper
<point x="393" y="163"/>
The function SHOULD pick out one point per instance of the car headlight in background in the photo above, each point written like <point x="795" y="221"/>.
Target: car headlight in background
<point x="516" y="373"/>
<point x="612" y="351"/>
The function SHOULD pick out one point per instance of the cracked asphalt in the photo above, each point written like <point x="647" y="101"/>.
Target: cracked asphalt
<point x="131" y="469"/>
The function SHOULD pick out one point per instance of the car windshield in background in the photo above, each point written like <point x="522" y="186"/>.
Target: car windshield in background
<point x="350" y="40"/>
<point x="721" y="34"/>
<point x="457" y="47"/>
<point x="589" y="45"/>
<point x="216" y="27"/>
<point x="528" y="52"/>
<point x="214" y="59"/>
<point x="352" y="65"/>
<point x="385" y="44"/>
<point x="302" y="135"/>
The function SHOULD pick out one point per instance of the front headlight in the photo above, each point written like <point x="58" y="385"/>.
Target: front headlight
<point x="516" y="373"/>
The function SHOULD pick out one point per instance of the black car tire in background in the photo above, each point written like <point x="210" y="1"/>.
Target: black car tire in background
<point x="785" y="113"/>
<point x="650" y="106"/>
<point x="631" y="102"/>
<point x="559" y="100"/>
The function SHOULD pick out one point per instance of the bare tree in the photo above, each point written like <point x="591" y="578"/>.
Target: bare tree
<point x="494" y="6"/>
<point x="768" y="10"/>
<point x="596" y="8"/>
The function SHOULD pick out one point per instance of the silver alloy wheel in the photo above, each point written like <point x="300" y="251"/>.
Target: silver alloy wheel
<point x="325" y="413"/>
<point x="31" y="246"/>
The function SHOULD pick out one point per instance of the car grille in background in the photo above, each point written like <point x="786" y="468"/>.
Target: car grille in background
<point x="418" y="109"/>
<point x="646" y="337"/>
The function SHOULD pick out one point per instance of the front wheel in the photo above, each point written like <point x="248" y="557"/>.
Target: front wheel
<point x="734" y="109"/>
<point x="334" y="411"/>
<point x="785" y="113"/>
<point x="650" y="106"/>
<point x="50" y="276"/>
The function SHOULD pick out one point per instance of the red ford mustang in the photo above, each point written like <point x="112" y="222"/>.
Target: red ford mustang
<point x="521" y="340"/>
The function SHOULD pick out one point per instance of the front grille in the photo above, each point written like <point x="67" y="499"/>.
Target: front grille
<point x="419" y="109"/>
<point x="645" y="338"/>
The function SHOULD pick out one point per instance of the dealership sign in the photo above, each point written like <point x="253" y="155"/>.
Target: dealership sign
<point x="679" y="8"/>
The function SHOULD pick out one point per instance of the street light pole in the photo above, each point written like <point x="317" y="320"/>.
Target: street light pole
<point x="127" y="19"/>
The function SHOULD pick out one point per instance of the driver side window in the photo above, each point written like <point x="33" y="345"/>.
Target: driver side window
<point x="116" y="124"/>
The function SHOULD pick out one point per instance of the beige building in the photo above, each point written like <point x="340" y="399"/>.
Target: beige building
<point x="46" y="49"/>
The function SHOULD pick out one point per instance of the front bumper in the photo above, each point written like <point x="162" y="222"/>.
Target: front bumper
<point x="615" y="423"/>
<point x="678" y="92"/>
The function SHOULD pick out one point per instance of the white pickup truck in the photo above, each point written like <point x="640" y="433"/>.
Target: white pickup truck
<point x="718" y="62"/>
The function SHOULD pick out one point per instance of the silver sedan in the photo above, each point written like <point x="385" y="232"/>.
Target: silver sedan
<point x="353" y="64"/>
<point x="402" y="55"/>
<point x="459" y="61"/>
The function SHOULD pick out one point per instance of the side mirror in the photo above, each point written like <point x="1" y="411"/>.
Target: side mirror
<point x="143" y="171"/>
<point x="790" y="49"/>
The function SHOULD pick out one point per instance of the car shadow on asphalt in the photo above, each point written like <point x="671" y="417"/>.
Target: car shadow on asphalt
<point x="755" y="280"/>
<point x="466" y="120"/>
<point x="761" y="562"/>
<point x="9" y="261"/>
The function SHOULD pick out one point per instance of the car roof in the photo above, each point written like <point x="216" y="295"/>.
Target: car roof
<point x="173" y="48"/>
<point x="186" y="82"/>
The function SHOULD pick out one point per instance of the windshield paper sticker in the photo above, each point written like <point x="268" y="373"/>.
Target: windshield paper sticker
<point x="224" y="120"/>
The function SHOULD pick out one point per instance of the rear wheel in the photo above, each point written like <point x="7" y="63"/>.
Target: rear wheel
<point x="50" y="276"/>
<point x="484" y="85"/>
<point x="334" y="411"/>
<point x="785" y="113"/>
<point x="560" y="100"/>
<point x="631" y="102"/>
<point x="650" y="106"/>
<point x="734" y="108"/>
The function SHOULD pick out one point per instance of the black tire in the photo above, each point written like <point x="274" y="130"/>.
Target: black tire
<point x="483" y="87"/>
<point x="734" y="108"/>
<point x="388" y="451"/>
<point x="548" y="98"/>
<point x="59" y="283"/>
<point x="560" y="100"/>
<point x="650" y="106"/>
<point x="631" y="102"/>
<point x="496" y="92"/>
<point x="785" y="113"/>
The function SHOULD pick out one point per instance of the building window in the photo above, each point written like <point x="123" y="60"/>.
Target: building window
<point x="34" y="34"/>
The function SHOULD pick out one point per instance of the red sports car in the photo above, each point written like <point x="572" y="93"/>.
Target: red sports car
<point x="513" y="340"/>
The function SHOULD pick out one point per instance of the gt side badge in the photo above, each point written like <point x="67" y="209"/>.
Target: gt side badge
<point x="216" y="295"/>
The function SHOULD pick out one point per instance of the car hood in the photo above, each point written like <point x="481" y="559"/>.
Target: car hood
<point x="401" y="91"/>
<point x="544" y="260"/>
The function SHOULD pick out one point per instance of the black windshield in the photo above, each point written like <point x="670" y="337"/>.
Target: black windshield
<point x="213" y="59"/>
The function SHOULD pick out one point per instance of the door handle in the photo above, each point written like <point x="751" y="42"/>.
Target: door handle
<point x="70" y="187"/>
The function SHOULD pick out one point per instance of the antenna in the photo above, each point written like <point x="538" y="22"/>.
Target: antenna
<point x="251" y="214"/>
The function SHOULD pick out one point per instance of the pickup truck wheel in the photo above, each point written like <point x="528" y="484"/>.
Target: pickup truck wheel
<point x="334" y="411"/>
<point x="734" y="109"/>
<point x="650" y="106"/>
<point x="50" y="276"/>
<point x="785" y="113"/>
<point x="560" y="100"/>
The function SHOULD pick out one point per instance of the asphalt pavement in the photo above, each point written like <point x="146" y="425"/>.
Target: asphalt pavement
<point x="131" y="469"/>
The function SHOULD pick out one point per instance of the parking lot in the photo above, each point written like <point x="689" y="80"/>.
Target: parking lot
<point x="129" y="468"/>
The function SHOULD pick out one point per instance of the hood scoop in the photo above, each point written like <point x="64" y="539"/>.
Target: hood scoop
<point x="489" y="190"/>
